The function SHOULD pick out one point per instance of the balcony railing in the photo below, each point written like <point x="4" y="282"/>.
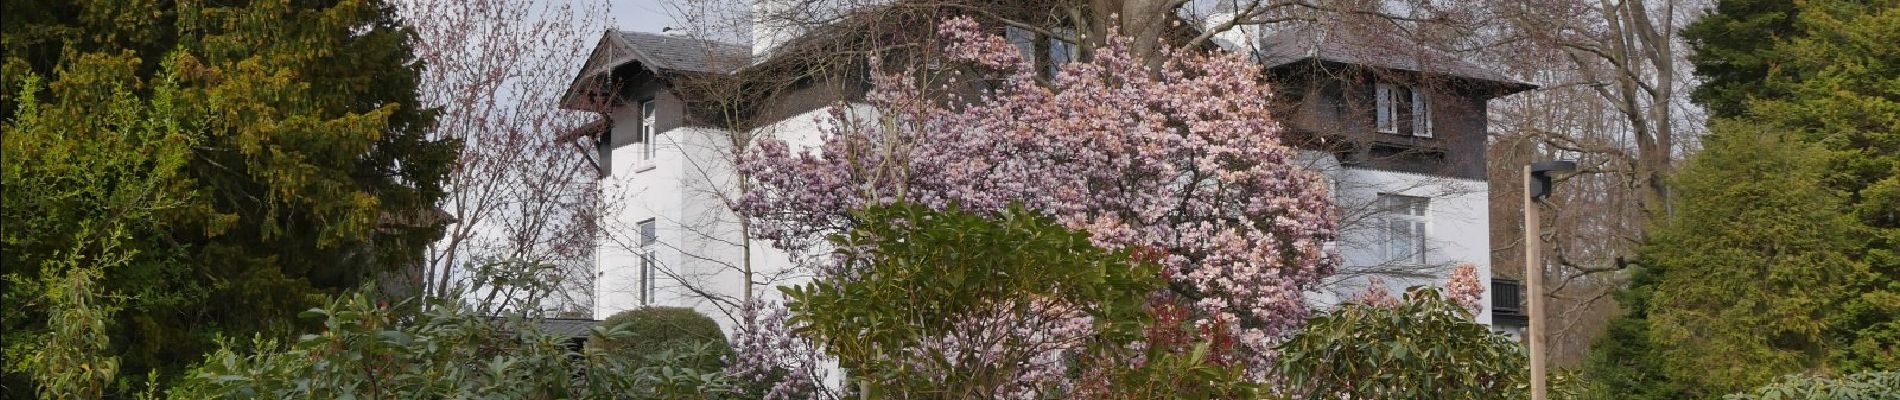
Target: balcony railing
<point x="1507" y="297"/>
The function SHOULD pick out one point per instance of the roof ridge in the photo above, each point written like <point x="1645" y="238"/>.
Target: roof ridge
<point x="680" y="37"/>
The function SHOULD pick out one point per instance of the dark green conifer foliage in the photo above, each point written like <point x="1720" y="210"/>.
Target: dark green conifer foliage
<point x="1733" y="51"/>
<point x="307" y="169"/>
<point x="1786" y="256"/>
<point x="1623" y="364"/>
<point x="1750" y="272"/>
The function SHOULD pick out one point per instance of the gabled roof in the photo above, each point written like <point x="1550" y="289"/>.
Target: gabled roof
<point x="662" y="52"/>
<point x="1315" y="42"/>
<point x="658" y="53"/>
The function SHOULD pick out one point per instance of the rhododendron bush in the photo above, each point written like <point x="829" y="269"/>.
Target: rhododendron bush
<point x="1182" y="157"/>
<point x="1423" y="346"/>
<point x="955" y="304"/>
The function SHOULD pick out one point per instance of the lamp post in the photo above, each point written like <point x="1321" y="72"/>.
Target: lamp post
<point x="1537" y="185"/>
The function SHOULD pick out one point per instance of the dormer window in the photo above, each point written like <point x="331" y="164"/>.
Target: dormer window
<point x="1403" y="110"/>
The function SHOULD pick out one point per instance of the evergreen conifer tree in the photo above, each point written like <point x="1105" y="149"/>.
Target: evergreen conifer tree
<point x="307" y="171"/>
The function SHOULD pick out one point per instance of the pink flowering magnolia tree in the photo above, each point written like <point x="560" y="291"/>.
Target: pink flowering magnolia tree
<point x="771" y="362"/>
<point x="1465" y="289"/>
<point x="1184" y="158"/>
<point x="1462" y="288"/>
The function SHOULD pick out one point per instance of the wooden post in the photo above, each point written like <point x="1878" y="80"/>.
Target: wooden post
<point x="1534" y="286"/>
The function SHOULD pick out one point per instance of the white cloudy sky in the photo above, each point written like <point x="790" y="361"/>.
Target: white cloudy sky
<point x="641" y="15"/>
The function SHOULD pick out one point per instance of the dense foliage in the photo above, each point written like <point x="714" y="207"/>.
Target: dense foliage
<point x="76" y="361"/>
<point x="954" y="304"/>
<point x="1861" y="386"/>
<point x="1735" y="50"/>
<point x="373" y="350"/>
<point x="114" y="189"/>
<point x="654" y="329"/>
<point x="1424" y="346"/>
<point x="1624" y="364"/>
<point x="1743" y="282"/>
<point x="247" y="159"/>
<point x="1185" y="160"/>
<point x="1782" y="258"/>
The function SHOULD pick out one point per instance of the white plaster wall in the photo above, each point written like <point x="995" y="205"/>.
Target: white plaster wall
<point x="634" y="191"/>
<point x="1457" y="230"/>
<point x="687" y="189"/>
<point x="687" y="186"/>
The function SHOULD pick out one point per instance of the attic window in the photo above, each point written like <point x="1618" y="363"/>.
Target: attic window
<point x="1403" y="110"/>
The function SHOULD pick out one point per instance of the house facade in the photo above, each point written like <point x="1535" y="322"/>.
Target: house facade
<point x="1399" y="133"/>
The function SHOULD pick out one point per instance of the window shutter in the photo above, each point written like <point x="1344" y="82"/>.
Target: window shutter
<point x="1382" y="99"/>
<point x="1421" y="114"/>
<point x="1418" y="245"/>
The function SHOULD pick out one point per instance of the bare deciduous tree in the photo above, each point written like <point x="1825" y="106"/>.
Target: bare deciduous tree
<point x="1615" y="100"/>
<point x="523" y="190"/>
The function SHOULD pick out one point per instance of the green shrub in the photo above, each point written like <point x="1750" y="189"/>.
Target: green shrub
<point x="1425" y="347"/>
<point x="652" y="330"/>
<point x="369" y="350"/>
<point x="1861" y="386"/>
<point x="923" y="284"/>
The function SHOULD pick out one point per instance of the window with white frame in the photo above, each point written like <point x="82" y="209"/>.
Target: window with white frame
<point x="1404" y="218"/>
<point x="649" y="238"/>
<point x="1403" y="110"/>
<point x="649" y="111"/>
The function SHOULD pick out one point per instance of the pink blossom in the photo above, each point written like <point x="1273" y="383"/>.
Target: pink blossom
<point x="767" y="355"/>
<point x="1465" y="289"/>
<point x="1185" y="159"/>
<point x="1376" y="294"/>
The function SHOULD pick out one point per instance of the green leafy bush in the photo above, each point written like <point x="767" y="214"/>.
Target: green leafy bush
<point x="1425" y="347"/>
<point x="369" y="349"/>
<point x="1861" y="386"/>
<point x="956" y="304"/>
<point x="652" y="330"/>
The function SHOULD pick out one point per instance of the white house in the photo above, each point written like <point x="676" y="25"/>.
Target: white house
<point x="1400" y="131"/>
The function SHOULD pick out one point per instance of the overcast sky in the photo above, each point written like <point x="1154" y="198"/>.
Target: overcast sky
<point x="640" y="15"/>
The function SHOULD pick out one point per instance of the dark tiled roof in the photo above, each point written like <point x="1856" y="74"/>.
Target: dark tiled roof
<point x="680" y="53"/>
<point x="1292" y="44"/>
<point x="655" y="52"/>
